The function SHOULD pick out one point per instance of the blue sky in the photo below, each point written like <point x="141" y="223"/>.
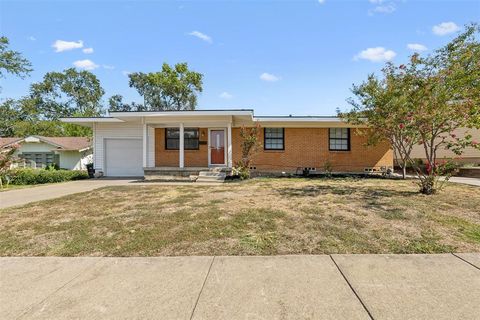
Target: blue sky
<point x="277" y="57"/>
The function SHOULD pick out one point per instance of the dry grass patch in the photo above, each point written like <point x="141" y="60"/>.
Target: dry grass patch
<point x="260" y="216"/>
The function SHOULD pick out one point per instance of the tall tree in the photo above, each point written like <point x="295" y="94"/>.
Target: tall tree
<point x="173" y="88"/>
<point x="429" y="98"/>
<point x="12" y="61"/>
<point x="116" y="104"/>
<point x="67" y="93"/>
<point x="9" y="115"/>
<point x="381" y="104"/>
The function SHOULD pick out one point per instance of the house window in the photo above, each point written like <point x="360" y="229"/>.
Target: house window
<point x="172" y="138"/>
<point x="274" y="139"/>
<point x="39" y="159"/>
<point x="339" y="139"/>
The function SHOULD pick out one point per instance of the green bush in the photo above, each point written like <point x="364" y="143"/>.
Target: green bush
<point x="26" y="176"/>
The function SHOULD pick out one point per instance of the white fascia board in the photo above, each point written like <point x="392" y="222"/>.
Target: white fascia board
<point x="89" y="120"/>
<point x="298" y="119"/>
<point x="182" y="113"/>
<point x="310" y="122"/>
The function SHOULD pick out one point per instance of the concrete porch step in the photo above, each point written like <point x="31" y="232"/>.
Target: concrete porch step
<point x="212" y="175"/>
<point x="210" y="179"/>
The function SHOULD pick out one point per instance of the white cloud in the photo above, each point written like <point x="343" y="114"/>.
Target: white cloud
<point x="126" y="73"/>
<point x="376" y="1"/>
<point x="61" y="45"/>
<point x="445" y="28"/>
<point x="416" y="47"/>
<point x="108" y="67"/>
<point x="387" y="8"/>
<point x="376" y="54"/>
<point x="32" y="38"/>
<point x="321" y="1"/>
<point x="201" y="36"/>
<point x="85" y="64"/>
<point x="269" y="77"/>
<point x="225" y="95"/>
<point x="87" y="50"/>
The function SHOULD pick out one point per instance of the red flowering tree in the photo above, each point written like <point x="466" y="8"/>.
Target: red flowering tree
<point x="425" y="102"/>
<point x="7" y="158"/>
<point x="249" y="144"/>
<point x="382" y="106"/>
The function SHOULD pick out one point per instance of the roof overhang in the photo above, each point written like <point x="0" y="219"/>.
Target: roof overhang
<point x="88" y="122"/>
<point x="207" y="118"/>
<point x="303" y="122"/>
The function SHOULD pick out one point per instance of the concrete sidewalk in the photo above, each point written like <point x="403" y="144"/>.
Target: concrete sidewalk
<point x="443" y="286"/>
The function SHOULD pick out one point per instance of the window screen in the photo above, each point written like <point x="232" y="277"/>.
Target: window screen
<point x="172" y="138"/>
<point x="339" y="139"/>
<point x="274" y="139"/>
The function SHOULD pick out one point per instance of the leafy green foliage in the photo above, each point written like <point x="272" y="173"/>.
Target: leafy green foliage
<point x="116" y="103"/>
<point x="60" y="94"/>
<point x="68" y="93"/>
<point x="424" y="102"/>
<point x="12" y="61"/>
<point x="7" y="157"/>
<point x="28" y="176"/>
<point x="173" y="88"/>
<point x="249" y="144"/>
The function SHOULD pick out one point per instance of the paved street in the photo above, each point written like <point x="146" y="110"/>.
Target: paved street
<point x="442" y="286"/>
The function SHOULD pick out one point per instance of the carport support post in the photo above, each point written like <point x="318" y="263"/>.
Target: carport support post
<point x="181" y="147"/>
<point x="145" y="143"/>
<point x="229" y="145"/>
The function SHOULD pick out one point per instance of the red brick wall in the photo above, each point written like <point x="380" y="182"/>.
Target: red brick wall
<point x="304" y="147"/>
<point x="308" y="147"/>
<point x="170" y="158"/>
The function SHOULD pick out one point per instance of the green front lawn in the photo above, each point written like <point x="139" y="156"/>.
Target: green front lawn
<point x="256" y="217"/>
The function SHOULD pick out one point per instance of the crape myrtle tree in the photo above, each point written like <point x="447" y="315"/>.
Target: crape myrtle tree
<point x="249" y="143"/>
<point x="440" y="93"/>
<point x="7" y="158"/>
<point x="381" y="104"/>
<point x="173" y="88"/>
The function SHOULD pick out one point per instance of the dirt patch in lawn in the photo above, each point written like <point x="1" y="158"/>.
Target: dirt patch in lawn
<point x="256" y="217"/>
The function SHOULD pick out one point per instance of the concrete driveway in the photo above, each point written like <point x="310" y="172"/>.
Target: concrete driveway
<point x="37" y="193"/>
<point x="443" y="286"/>
<point x="464" y="180"/>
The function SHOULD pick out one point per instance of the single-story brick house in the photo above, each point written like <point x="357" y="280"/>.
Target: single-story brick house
<point x="132" y="143"/>
<point x="71" y="153"/>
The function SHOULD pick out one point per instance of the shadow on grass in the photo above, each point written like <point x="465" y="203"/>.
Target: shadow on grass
<point x="363" y="192"/>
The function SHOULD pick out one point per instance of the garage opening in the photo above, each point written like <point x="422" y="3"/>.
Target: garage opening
<point x="123" y="158"/>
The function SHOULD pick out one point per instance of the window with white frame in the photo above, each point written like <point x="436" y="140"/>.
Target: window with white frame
<point x="172" y="138"/>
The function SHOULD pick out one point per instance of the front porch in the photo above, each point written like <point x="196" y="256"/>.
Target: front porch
<point x="192" y="174"/>
<point x="186" y="148"/>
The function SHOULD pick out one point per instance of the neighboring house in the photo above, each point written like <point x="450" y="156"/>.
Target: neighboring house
<point x="72" y="153"/>
<point x="470" y="155"/>
<point x="130" y="143"/>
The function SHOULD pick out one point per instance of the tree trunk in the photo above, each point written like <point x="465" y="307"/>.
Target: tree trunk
<point x="427" y="185"/>
<point x="404" y="170"/>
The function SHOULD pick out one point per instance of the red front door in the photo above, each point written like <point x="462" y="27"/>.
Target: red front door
<point x="217" y="147"/>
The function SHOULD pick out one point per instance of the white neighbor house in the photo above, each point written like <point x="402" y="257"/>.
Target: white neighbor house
<point x="71" y="153"/>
